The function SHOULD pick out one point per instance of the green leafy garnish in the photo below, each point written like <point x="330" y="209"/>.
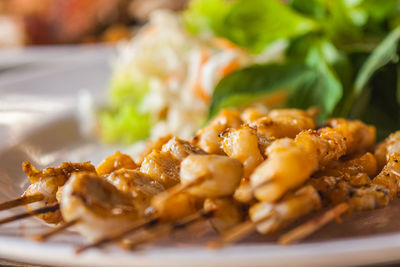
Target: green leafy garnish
<point x="124" y="121"/>
<point x="206" y="16"/>
<point x="324" y="89"/>
<point x="252" y="83"/>
<point x="125" y="126"/>
<point x="345" y="55"/>
<point x="257" y="23"/>
<point x="251" y="24"/>
<point x="342" y="56"/>
<point x="313" y="83"/>
<point x="384" y="53"/>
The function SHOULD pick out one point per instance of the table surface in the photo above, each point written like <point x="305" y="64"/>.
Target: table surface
<point x="6" y="263"/>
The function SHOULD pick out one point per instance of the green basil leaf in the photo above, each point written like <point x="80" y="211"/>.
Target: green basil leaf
<point x="384" y="53"/>
<point x="382" y="108"/>
<point x="313" y="8"/>
<point x="206" y="16"/>
<point x="249" y="84"/>
<point x="380" y="10"/>
<point x="255" y="24"/>
<point x="325" y="88"/>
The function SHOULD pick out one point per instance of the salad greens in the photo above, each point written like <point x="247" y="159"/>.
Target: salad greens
<point x="125" y="121"/>
<point x="343" y="55"/>
<point x="252" y="24"/>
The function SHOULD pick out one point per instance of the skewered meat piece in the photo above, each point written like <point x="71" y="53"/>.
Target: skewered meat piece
<point x="180" y="149"/>
<point x="202" y="176"/>
<point x="115" y="162"/>
<point x="251" y="114"/>
<point x="364" y="163"/>
<point x="151" y="146"/>
<point x="139" y="185"/>
<point x="275" y="216"/>
<point x="284" y="123"/>
<point x="242" y="144"/>
<point x="97" y="206"/>
<point x="222" y="174"/>
<point x="227" y="213"/>
<point x="47" y="182"/>
<point x="207" y="138"/>
<point x="162" y="167"/>
<point x="291" y="162"/>
<point x="385" y="149"/>
<point x="390" y="174"/>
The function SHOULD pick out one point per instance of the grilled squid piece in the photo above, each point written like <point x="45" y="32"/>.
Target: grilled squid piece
<point x="221" y="175"/>
<point x="151" y="146"/>
<point x="242" y="144"/>
<point x="284" y="123"/>
<point x="162" y="167"/>
<point x="115" y="162"/>
<point x="203" y="176"/>
<point x="364" y="163"/>
<point x="389" y="176"/>
<point x="97" y="207"/>
<point x="250" y="144"/>
<point x="227" y="213"/>
<point x="251" y="114"/>
<point x="46" y="183"/>
<point x="324" y="190"/>
<point x="291" y="162"/>
<point x="139" y="185"/>
<point x="207" y="138"/>
<point x="180" y="149"/>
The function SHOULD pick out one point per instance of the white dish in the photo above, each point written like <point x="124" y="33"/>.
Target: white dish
<point x="38" y="124"/>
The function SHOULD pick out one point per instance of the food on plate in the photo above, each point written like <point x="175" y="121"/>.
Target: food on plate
<point x="271" y="169"/>
<point x="181" y="69"/>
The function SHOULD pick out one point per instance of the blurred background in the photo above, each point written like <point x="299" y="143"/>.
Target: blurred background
<point x="49" y="22"/>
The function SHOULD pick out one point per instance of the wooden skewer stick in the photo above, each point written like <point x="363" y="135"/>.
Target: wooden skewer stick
<point x="239" y="232"/>
<point x="52" y="232"/>
<point x="118" y="236"/>
<point x="166" y="229"/>
<point x="179" y="188"/>
<point x="306" y="229"/>
<point x="234" y="235"/>
<point x="31" y="213"/>
<point x="142" y="225"/>
<point x="20" y="201"/>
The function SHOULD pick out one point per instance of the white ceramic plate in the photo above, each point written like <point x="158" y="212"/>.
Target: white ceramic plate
<point x="38" y="123"/>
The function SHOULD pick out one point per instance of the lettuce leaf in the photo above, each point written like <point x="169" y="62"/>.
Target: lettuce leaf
<point x="124" y="88"/>
<point x="257" y="23"/>
<point x="124" y="121"/>
<point x="125" y="126"/>
<point x="206" y="16"/>
<point x="251" y="24"/>
<point x="324" y="89"/>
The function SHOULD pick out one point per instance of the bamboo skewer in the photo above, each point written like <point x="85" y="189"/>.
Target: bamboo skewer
<point x="118" y="236"/>
<point x="52" y="232"/>
<point x="20" y="201"/>
<point x="168" y="228"/>
<point x="301" y="232"/>
<point x="31" y="213"/>
<point x="239" y="232"/>
<point x="146" y="224"/>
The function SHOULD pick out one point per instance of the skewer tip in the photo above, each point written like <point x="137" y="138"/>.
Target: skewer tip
<point x="303" y="231"/>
